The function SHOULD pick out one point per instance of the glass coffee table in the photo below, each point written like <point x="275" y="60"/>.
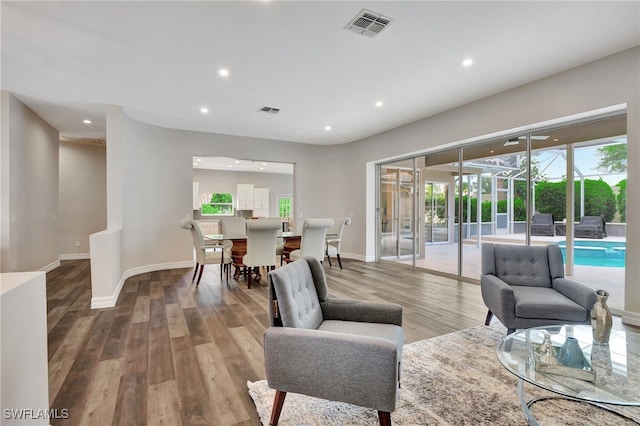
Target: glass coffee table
<point x="607" y="376"/>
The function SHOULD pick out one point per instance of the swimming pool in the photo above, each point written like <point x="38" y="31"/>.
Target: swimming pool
<point x="597" y="253"/>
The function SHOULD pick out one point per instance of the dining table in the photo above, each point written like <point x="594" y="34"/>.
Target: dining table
<point x="239" y="249"/>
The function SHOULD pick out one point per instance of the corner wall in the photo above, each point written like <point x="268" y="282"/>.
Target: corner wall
<point x="29" y="189"/>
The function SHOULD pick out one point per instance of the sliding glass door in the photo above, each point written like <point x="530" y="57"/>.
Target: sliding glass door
<point x="436" y="214"/>
<point x="532" y="188"/>
<point x="399" y="237"/>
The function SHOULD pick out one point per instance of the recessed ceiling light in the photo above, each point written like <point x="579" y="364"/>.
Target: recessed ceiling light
<point x="223" y="72"/>
<point x="491" y="152"/>
<point x="327" y="128"/>
<point x="198" y="159"/>
<point x="467" y="62"/>
<point x="264" y="164"/>
<point x="86" y="121"/>
<point x="204" y="110"/>
<point x="229" y="166"/>
<point x="379" y="104"/>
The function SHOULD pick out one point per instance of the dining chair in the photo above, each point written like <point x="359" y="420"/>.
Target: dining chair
<point x="280" y="244"/>
<point x="312" y="242"/>
<point x="207" y="255"/>
<point x="261" y="245"/>
<point x="334" y="238"/>
<point x="234" y="227"/>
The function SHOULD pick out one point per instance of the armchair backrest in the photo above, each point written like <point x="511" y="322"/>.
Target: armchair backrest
<point x="261" y="241"/>
<point x="312" y="242"/>
<point x="296" y="291"/>
<point x="532" y="266"/>
<point x="234" y="227"/>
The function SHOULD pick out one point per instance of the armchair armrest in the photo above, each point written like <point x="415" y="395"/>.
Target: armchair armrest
<point x="362" y="311"/>
<point x="359" y="370"/>
<point x="499" y="298"/>
<point x="581" y="294"/>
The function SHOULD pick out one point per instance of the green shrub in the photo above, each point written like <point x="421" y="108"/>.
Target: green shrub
<point x="519" y="213"/>
<point x="551" y="197"/>
<point x="599" y="199"/>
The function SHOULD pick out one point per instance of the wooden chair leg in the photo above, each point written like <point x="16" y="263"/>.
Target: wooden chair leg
<point x="328" y="258"/>
<point x="277" y="407"/>
<point x="248" y="277"/>
<point x="200" y="276"/>
<point x="195" y="272"/>
<point x="385" y="418"/>
<point x="339" y="261"/>
<point x="487" y="321"/>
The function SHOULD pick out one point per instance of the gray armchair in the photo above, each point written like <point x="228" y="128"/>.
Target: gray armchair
<point x="336" y="349"/>
<point x="524" y="286"/>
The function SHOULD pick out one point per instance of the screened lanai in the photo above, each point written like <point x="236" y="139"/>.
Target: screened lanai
<point x="439" y="208"/>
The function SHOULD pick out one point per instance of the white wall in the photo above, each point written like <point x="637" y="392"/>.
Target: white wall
<point x="30" y="177"/>
<point x="82" y="197"/>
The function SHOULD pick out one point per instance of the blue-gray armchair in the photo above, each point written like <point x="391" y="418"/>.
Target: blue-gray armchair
<point x="336" y="349"/>
<point x="524" y="286"/>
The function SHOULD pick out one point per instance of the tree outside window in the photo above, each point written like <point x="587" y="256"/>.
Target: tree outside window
<point x="220" y="204"/>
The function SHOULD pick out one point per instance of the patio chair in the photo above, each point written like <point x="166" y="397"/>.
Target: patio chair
<point x="542" y="225"/>
<point x="590" y="227"/>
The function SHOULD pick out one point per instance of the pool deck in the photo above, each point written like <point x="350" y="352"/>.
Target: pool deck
<point x="443" y="257"/>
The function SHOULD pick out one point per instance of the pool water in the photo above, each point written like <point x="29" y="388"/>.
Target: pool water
<point x="597" y="253"/>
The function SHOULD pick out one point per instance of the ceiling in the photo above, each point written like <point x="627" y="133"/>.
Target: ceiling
<point x="160" y="60"/>
<point x="238" y="165"/>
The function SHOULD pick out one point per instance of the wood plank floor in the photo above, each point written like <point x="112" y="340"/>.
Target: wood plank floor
<point x="173" y="354"/>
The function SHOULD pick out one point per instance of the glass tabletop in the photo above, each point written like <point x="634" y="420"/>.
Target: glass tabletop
<point x="547" y="357"/>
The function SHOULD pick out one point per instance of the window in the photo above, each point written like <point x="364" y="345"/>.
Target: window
<point x="284" y="203"/>
<point x="219" y="204"/>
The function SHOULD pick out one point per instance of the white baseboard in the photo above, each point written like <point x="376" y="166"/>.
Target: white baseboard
<point x="631" y="318"/>
<point x="75" y="256"/>
<point x="50" y="267"/>
<point x="110" y="301"/>
<point x="355" y="256"/>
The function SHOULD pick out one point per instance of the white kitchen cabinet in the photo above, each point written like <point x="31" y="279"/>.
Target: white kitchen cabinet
<point x="261" y="202"/>
<point x="244" y="196"/>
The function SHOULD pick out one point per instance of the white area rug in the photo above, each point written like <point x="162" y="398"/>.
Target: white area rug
<point x="455" y="379"/>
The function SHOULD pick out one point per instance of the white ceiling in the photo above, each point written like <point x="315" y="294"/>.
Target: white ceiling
<point x="160" y="60"/>
<point x="237" y="165"/>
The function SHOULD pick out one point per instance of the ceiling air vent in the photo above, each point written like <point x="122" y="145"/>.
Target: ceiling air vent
<point x="368" y="23"/>
<point x="86" y="141"/>
<point x="269" y="110"/>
